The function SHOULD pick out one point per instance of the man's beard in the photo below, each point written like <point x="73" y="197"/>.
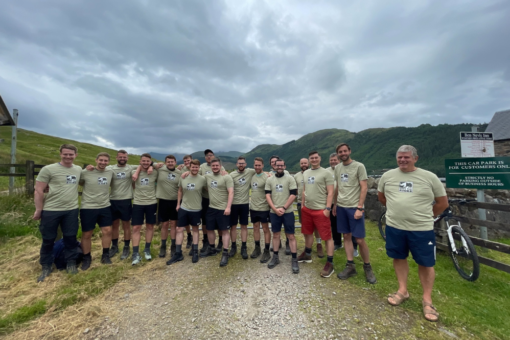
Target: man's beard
<point x="241" y="169"/>
<point x="122" y="162"/>
<point x="304" y="168"/>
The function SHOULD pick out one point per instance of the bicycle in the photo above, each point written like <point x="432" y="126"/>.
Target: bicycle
<point x="461" y="249"/>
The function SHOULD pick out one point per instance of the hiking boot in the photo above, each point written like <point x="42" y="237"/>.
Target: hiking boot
<point x="194" y="258"/>
<point x="295" y="266"/>
<point x="328" y="270"/>
<point x="266" y="256"/>
<point x="244" y="253"/>
<point x="205" y="244"/>
<point x="369" y="274"/>
<point x="320" y="251"/>
<point x="172" y="250"/>
<point x="147" y="254"/>
<point x="113" y="250"/>
<point x="256" y="252"/>
<point x="219" y="248"/>
<point x="176" y="258"/>
<point x="46" y="270"/>
<point x="304" y="257"/>
<point x="349" y="270"/>
<point x="125" y="253"/>
<point x="224" y="259"/>
<point x="287" y="248"/>
<point x="71" y="268"/>
<point x="233" y="251"/>
<point x="85" y="264"/>
<point x="274" y="261"/>
<point x="355" y="253"/>
<point x="105" y="259"/>
<point x="162" y="251"/>
<point x="211" y="251"/>
<point x="189" y="241"/>
<point x="136" y="259"/>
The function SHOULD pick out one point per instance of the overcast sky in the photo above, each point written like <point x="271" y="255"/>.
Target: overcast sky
<point x="182" y="76"/>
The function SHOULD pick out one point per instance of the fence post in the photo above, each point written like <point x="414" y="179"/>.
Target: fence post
<point x="480" y="197"/>
<point x="29" y="178"/>
<point x="14" y="138"/>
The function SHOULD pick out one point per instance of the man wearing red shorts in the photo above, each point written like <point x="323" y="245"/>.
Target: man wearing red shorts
<point x="316" y="201"/>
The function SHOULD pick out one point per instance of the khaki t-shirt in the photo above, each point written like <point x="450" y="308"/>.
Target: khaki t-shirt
<point x="168" y="183"/>
<point x="299" y="182"/>
<point x="332" y="171"/>
<point x="315" y="188"/>
<point x="206" y="169"/>
<point x="63" y="186"/>
<point x="348" y="178"/>
<point x="280" y="188"/>
<point x="258" y="193"/>
<point x="192" y="188"/>
<point x="145" y="188"/>
<point x="242" y="185"/>
<point x="122" y="188"/>
<point x="96" y="188"/>
<point x="218" y="186"/>
<point x="409" y="197"/>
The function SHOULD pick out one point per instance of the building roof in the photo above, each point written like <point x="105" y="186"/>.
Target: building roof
<point x="5" y="117"/>
<point x="500" y="125"/>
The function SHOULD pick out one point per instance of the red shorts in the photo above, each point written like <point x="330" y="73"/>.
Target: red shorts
<point x="311" y="219"/>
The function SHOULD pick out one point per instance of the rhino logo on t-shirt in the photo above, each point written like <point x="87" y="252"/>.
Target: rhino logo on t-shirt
<point x="279" y="187"/>
<point x="144" y="181"/>
<point x="344" y="177"/>
<point x="121" y="175"/>
<point x="171" y="177"/>
<point x="214" y="184"/>
<point x="242" y="181"/>
<point x="190" y="186"/>
<point x="254" y="185"/>
<point x="102" y="181"/>
<point x="71" y="179"/>
<point x="405" y="187"/>
<point x="311" y="180"/>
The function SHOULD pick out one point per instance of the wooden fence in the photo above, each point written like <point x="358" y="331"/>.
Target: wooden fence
<point x="29" y="173"/>
<point x="500" y="247"/>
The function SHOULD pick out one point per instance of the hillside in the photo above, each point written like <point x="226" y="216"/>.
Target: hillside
<point x="374" y="147"/>
<point x="228" y="158"/>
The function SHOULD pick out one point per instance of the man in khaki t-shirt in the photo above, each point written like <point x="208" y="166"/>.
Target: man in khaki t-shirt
<point x="259" y="210"/>
<point x="409" y="194"/>
<point x="316" y="201"/>
<point x="95" y="208"/>
<point x="337" y="237"/>
<point x="351" y="178"/>
<point x="189" y="211"/>
<point x="145" y="206"/>
<point x="58" y="208"/>
<point x="281" y="191"/>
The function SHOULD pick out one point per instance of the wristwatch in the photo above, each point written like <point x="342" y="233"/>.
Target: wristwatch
<point x="360" y="209"/>
<point x="328" y="209"/>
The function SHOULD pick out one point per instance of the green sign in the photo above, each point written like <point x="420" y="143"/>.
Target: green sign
<point x="478" y="173"/>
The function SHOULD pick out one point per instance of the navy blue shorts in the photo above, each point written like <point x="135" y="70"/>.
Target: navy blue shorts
<point x="185" y="218"/>
<point x="166" y="210"/>
<point x="203" y="213"/>
<point x="347" y="224"/>
<point x="144" y="211"/>
<point x="239" y="214"/>
<point x="90" y="217"/>
<point x="217" y="220"/>
<point x="121" y="209"/>
<point x="287" y="220"/>
<point x="422" y="245"/>
<point x="259" y="216"/>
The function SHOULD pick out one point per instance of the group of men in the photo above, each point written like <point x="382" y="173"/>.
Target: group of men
<point x="330" y="204"/>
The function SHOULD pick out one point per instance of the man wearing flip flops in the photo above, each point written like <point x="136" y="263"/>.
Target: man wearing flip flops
<point x="408" y="193"/>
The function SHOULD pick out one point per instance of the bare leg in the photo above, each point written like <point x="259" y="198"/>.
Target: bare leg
<point x="149" y="232"/>
<point x="196" y="234"/>
<point x="164" y="230"/>
<point x="226" y="239"/>
<point x="276" y="241"/>
<point x="211" y="236"/>
<point x="427" y="276"/>
<point x="86" y="241"/>
<point x="330" y="247"/>
<point x="308" y="241"/>
<point x="106" y="236"/>
<point x="233" y="233"/>
<point x="267" y="233"/>
<point x="256" y="231"/>
<point x="363" y="249"/>
<point x="244" y="233"/>
<point x="292" y="242"/>
<point x="349" y="248"/>
<point x="136" y="235"/>
<point x="116" y="229"/>
<point x="179" y="236"/>
<point x="173" y="232"/>
<point x="402" y="271"/>
<point x="126" y="226"/>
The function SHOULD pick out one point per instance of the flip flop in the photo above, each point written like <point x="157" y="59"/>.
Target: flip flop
<point x="433" y="312"/>
<point x="398" y="298"/>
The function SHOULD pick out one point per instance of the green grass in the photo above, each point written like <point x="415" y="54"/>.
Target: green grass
<point x="478" y="307"/>
<point x="16" y="217"/>
<point x="22" y="315"/>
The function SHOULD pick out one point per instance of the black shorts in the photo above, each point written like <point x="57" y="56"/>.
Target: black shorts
<point x="259" y="216"/>
<point x="203" y="213"/>
<point x="287" y="220"/>
<point x="217" y="220"/>
<point x="121" y="209"/>
<point x="239" y="213"/>
<point x="141" y="212"/>
<point x="166" y="210"/>
<point x="185" y="218"/>
<point x="90" y="217"/>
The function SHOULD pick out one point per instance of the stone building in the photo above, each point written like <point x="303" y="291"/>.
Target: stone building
<point x="500" y="127"/>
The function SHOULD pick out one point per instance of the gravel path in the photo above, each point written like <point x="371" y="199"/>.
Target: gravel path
<point x="246" y="300"/>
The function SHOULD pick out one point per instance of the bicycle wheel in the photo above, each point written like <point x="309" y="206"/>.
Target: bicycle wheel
<point x="382" y="225"/>
<point x="465" y="259"/>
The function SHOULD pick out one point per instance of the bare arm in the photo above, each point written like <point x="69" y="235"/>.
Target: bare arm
<point x="329" y="200"/>
<point x="381" y="198"/>
<point x="440" y="205"/>
<point x="179" y="197"/>
<point x="230" y="199"/>
<point x="270" y="202"/>
<point x="137" y="173"/>
<point x="185" y="174"/>
<point x="39" y="199"/>
<point x="303" y="196"/>
<point x="363" y="193"/>
<point x="289" y="201"/>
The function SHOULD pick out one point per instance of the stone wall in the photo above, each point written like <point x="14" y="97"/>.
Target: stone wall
<point x="502" y="148"/>
<point x="374" y="209"/>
